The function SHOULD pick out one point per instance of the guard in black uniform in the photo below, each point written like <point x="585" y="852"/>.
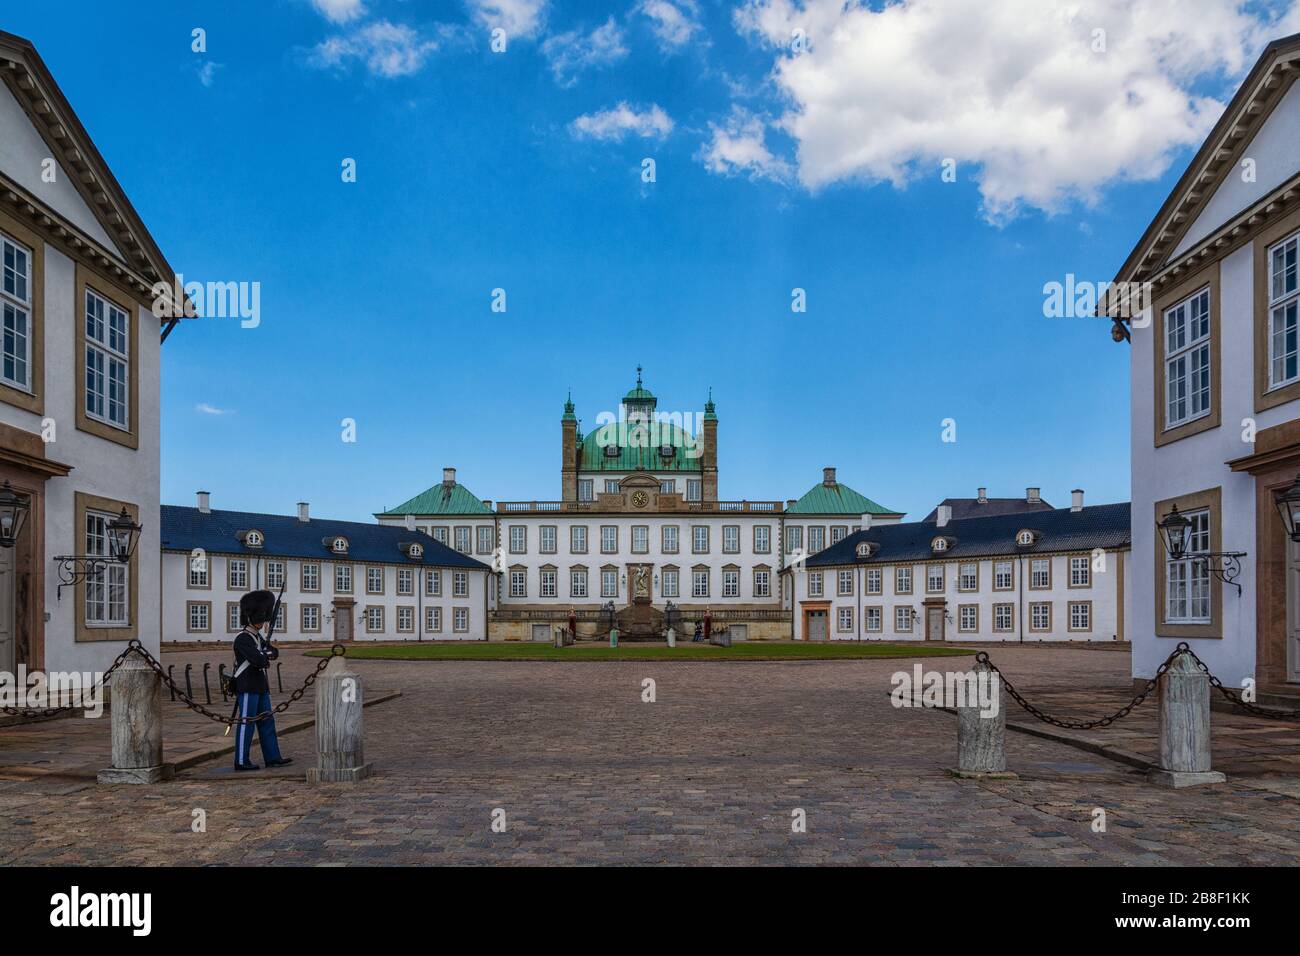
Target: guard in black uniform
<point x="253" y="655"/>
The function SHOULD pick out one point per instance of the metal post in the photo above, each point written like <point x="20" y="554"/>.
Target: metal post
<point x="221" y="681"/>
<point x="189" y="691"/>
<point x="279" y="681"/>
<point x="171" y="683"/>
<point x="207" y="693"/>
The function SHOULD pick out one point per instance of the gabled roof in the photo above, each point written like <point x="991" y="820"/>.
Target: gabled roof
<point x="974" y="508"/>
<point x="29" y="80"/>
<point x="1270" y="78"/>
<point x="441" y="500"/>
<point x="836" y="499"/>
<point x="1094" y="526"/>
<point x="187" y="528"/>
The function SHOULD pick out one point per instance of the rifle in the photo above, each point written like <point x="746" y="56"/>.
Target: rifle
<point x="270" y="632"/>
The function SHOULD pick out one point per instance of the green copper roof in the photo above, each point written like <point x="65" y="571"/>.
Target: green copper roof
<point x="837" y="499"/>
<point x="439" y="500"/>
<point x="640" y="394"/>
<point x="639" y="449"/>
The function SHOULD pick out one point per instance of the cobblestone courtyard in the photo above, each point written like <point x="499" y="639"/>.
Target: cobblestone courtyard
<point x="710" y="773"/>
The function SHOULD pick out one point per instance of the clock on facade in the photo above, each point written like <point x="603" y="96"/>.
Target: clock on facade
<point x="640" y="499"/>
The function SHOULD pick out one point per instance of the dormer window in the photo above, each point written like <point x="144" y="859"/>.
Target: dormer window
<point x="666" y="451"/>
<point x="413" y="550"/>
<point x="251" y="539"/>
<point x="939" y="545"/>
<point x="1026" y="538"/>
<point x="611" y="451"/>
<point x="338" y="544"/>
<point x="866" y="549"/>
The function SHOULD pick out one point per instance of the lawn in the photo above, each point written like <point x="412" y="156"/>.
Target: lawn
<point x="748" y="651"/>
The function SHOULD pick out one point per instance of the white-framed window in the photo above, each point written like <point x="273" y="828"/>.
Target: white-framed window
<point x="518" y="539"/>
<point x="274" y="575"/>
<point x="667" y="486"/>
<point x="968" y="618"/>
<point x="700" y="539"/>
<point x="934" y="579"/>
<point x="16" y="308"/>
<point x="460" y="619"/>
<point x="762" y="539"/>
<point x="762" y="583"/>
<point x="816" y="584"/>
<point x="462" y="539"/>
<point x="903" y="580"/>
<point x="1080" y="615"/>
<point x="609" y="539"/>
<point x="578" y="584"/>
<point x="1003" y="576"/>
<point x="440" y="535"/>
<point x="1040" y="574"/>
<point x="693" y="489"/>
<point x="433" y="582"/>
<point x="460" y="584"/>
<point x="669" y="584"/>
<point x="310" y="576"/>
<point x="844" y="582"/>
<point x="1040" y="616"/>
<point x="546" y="539"/>
<point x="730" y="583"/>
<point x="374" y="619"/>
<point x="609" y="583"/>
<point x="640" y="539"/>
<point x="200" y="616"/>
<point x="310" y="617"/>
<point x="546" y="584"/>
<point x="199" y="571"/>
<point x="968" y="576"/>
<point x="875" y="580"/>
<point x="1187" y="580"/>
<point x="793" y="538"/>
<point x="611" y="484"/>
<point x="873" y="622"/>
<point x="406" y="580"/>
<point x="234" y="622"/>
<point x="700" y="583"/>
<point x="1187" y="359"/>
<point x="1080" y="572"/>
<point x="838" y="533"/>
<point x="432" y="620"/>
<point x="578" y="539"/>
<point x="816" y="539"/>
<point x="108" y="356"/>
<point x="237" y="574"/>
<point x="518" y="584"/>
<point x="844" y="619"/>
<point x="343" y="578"/>
<point x="406" y="619"/>
<point x="731" y="539"/>
<point x="486" y="539"/>
<point x="585" y="490"/>
<point x="669" y="534"/>
<point x="903" y="619"/>
<point x="1004" y="617"/>
<point x="374" y="580"/>
<point x="1283" y="295"/>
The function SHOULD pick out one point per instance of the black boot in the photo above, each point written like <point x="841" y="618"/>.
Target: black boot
<point x="247" y="766"/>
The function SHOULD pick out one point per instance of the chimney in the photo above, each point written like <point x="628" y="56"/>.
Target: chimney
<point x="205" y="506"/>
<point x="409" y="522"/>
<point x="1076" y="499"/>
<point x="943" y="516"/>
<point x="1031" y="495"/>
<point x="487" y="503"/>
<point x="866" y="521"/>
<point x="304" y="514"/>
<point x="790" y="503"/>
<point x="983" y="496"/>
<point x="828" y="477"/>
<point x="449" y="478"/>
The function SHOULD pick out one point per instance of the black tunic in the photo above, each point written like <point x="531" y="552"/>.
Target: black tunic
<point x="259" y="653"/>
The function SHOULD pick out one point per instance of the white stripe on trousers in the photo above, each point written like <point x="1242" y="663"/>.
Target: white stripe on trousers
<point x="244" y="728"/>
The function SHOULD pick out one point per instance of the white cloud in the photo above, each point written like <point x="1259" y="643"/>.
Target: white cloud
<point x="340" y="11"/>
<point x="521" y="19"/>
<point x="739" y="147"/>
<point x="616" y="123"/>
<point x="207" y="72"/>
<point x="207" y="409"/>
<point x="1012" y="90"/>
<point x="571" y="53"/>
<point x="387" y="49"/>
<point x="674" y="23"/>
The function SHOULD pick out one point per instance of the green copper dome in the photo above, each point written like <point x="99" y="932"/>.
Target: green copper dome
<point x="640" y="448"/>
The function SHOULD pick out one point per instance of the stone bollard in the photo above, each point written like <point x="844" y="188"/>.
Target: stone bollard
<point x="720" y="638"/>
<point x="982" y="736"/>
<point x="613" y="637"/>
<point x="672" y="637"/>
<point x="1184" y="727"/>
<point x="563" y="637"/>
<point x="340" y="754"/>
<point x="135" y="702"/>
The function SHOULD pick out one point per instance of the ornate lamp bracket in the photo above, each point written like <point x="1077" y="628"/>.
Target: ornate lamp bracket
<point x="77" y="568"/>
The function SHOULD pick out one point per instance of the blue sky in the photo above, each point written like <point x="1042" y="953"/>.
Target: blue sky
<point x="776" y="169"/>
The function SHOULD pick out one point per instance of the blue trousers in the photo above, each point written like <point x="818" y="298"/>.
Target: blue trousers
<point x="249" y="706"/>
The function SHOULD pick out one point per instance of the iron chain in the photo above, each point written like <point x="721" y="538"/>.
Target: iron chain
<point x="46" y="713"/>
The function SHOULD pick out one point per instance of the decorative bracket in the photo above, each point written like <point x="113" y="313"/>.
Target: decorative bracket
<point x="76" y="568"/>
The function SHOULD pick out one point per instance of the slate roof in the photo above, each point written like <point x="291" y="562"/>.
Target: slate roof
<point x="186" y="528"/>
<point x="438" y="500"/>
<point x="836" y="499"/>
<point x="1096" y="526"/>
<point x="974" y="508"/>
